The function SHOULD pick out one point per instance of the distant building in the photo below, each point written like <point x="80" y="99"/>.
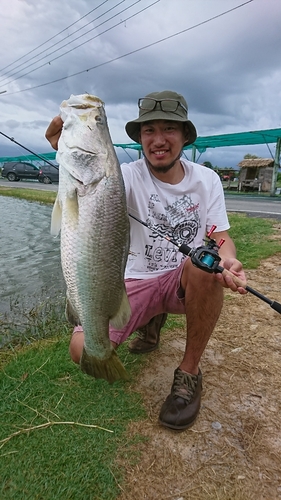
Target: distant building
<point x="256" y="174"/>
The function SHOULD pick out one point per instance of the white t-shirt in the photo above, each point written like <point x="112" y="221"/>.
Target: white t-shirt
<point x="184" y="212"/>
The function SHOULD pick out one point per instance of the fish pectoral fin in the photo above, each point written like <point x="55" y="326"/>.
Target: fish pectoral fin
<point x="71" y="206"/>
<point x="56" y="218"/>
<point x="71" y="314"/>
<point x="123" y="315"/>
<point x="110" y="369"/>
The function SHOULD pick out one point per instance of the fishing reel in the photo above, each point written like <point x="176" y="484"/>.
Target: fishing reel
<point x="207" y="257"/>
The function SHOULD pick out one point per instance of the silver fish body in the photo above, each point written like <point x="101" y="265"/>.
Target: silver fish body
<point x="91" y="213"/>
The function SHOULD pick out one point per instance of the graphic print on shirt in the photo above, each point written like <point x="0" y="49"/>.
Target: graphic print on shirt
<point x="180" y="222"/>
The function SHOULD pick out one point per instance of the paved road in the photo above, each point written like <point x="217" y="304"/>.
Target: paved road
<point x="254" y="206"/>
<point x="29" y="185"/>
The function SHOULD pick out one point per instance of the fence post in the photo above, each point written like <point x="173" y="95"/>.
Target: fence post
<point x="275" y="167"/>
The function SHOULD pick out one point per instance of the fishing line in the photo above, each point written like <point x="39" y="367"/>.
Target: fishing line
<point x="29" y="150"/>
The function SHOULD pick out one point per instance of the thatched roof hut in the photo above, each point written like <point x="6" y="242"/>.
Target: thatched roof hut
<point x="256" y="173"/>
<point x="256" y="162"/>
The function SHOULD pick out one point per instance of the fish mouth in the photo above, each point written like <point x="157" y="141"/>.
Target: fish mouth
<point x="82" y="150"/>
<point x="82" y="106"/>
<point x="84" y="101"/>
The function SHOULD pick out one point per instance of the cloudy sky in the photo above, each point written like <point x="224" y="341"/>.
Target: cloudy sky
<point x="222" y="55"/>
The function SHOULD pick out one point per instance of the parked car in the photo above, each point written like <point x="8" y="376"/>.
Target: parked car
<point x="48" y="174"/>
<point x="14" y="171"/>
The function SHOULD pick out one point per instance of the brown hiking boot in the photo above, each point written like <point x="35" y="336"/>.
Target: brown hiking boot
<point x="182" y="406"/>
<point x="148" y="336"/>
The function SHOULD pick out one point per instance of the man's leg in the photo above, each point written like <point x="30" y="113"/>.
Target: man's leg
<point x="146" y="340"/>
<point x="148" y="336"/>
<point x="145" y="304"/>
<point x="77" y="343"/>
<point x="203" y="304"/>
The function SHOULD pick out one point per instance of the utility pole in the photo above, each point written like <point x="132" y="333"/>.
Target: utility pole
<point x="275" y="167"/>
<point x="193" y="154"/>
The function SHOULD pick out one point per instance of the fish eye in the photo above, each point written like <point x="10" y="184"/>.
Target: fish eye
<point x="98" y="119"/>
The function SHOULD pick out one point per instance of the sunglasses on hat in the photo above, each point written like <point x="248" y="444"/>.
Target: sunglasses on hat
<point x="168" y="105"/>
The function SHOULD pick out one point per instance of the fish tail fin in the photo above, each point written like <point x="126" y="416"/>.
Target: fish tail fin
<point x="56" y="218"/>
<point x="123" y="315"/>
<point x="110" y="369"/>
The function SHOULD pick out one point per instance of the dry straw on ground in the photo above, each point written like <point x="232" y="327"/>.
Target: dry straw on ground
<point x="233" y="450"/>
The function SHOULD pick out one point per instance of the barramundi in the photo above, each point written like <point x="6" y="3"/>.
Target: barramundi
<point x="90" y="212"/>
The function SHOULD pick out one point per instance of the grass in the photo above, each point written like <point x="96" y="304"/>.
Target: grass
<point x="254" y="239"/>
<point x="29" y="194"/>
<point x="62" y="432"/>
<point x="68" y="427"/>
<point x="23" y="324"/>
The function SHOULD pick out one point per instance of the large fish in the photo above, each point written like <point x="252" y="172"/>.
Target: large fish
<point x="90" y="211"/>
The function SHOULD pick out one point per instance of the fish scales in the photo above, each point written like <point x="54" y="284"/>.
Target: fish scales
<point x="91" y="213"/>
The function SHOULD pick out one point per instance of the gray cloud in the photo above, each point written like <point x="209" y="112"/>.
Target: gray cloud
<point x="226" y="68"/>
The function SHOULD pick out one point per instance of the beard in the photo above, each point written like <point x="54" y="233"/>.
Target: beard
<point x="164" y="169"/>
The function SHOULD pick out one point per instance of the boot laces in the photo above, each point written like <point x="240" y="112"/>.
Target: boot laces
<point x="184" y="385"/>
<point x="141" y="333"/>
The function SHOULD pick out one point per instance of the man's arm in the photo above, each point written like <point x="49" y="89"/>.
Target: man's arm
<point x="53" y="131"/>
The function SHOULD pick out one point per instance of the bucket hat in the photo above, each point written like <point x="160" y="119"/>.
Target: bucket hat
<point x="165" y="105"/>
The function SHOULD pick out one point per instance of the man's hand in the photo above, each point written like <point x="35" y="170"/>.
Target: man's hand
<point x="53" y="132"/>
<point x="233" y="268"/>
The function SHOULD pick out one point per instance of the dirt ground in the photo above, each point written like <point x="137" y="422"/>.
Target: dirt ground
<point x="233" y="451"/>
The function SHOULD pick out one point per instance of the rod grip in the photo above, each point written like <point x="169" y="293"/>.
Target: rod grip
<point x="276" y="306"/>
<point x="237" y="281"/>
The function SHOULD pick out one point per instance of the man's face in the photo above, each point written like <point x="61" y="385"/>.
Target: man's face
<point x="162" y="142"/>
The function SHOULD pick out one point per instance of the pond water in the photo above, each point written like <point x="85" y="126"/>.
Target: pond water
<point x="30" y="256"/>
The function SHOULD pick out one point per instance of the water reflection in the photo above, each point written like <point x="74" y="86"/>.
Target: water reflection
<point x="30" y="256"/>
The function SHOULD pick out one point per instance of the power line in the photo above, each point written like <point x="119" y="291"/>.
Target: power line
<point x="49" y="39"/>
<point x="71" y="41"/>
<point x="133" y="51"/>
<point x="65" y="45"/>
<point x="90" y="39"/>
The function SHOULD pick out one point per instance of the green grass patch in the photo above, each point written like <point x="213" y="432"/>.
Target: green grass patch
<point x="23" y="325"/>
<point x="29" y="194"/>
<point x="254" y="239"/>
<point x="60" y="429"/>
<point x="174" y="322"/>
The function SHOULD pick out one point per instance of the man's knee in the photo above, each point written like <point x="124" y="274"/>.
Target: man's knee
<point x="76" y="346"/>
<point x="197" y="280"/>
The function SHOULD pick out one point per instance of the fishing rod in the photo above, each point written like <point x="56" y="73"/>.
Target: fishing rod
<point x="29" y="150"/>
<point x="207" y="259"/>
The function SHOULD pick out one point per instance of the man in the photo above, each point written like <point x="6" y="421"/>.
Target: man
<point x="181" y="200"/>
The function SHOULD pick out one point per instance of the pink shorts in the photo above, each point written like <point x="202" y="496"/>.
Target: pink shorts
<point x="149" y="297"/>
